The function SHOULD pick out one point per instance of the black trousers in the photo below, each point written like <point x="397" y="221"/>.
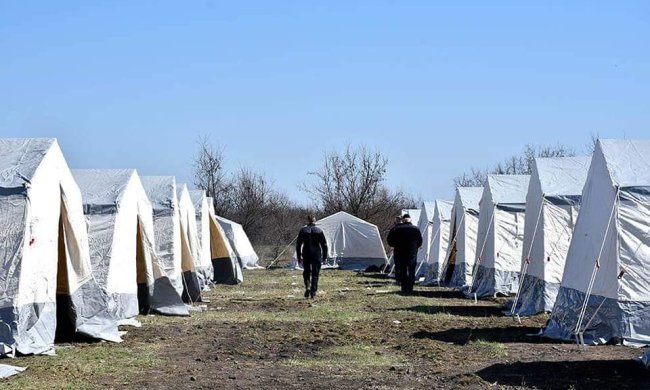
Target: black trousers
<point x="405" y="268"/>
<point x="310" y="273"/>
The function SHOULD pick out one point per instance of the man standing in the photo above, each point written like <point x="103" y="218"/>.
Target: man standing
<point x="311" y="249"/>
<point x="405" y="239"/>
<point x="398" y="277"/>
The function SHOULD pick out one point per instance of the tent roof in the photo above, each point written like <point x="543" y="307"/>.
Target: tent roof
<point x="20" y="157"/>
<point x="180" y="187"/>
<point x="342" y="216"/>
<point x="562" y="175"/>
<point x="428" y="209"/>
<point x="628" y="161"/>
<point x="197" y="196"/>
<point x="508" y="189"/>
<point x="102" y="186"/>
<point x="160" y="190"/>
<point x="444" y="209"/>
<point x="470" y="197"/>
<point x="226" y="220"/>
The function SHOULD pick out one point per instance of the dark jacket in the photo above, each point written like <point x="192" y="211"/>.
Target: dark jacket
<point x="311" y="244"/>
<point x="406" y="239"/>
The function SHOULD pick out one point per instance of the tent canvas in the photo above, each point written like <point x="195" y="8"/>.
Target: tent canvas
<point x="122" y="247"/>
<point x="225" y="264"/>
<point x="552" y="205"/>
<point x="439" y="242"/>
<point x="353" y="243"/>
<point x="48" y="287"/>
<point x="204" y="268"/>
<point x="240" y="243"/>
<point x="500" y="235"/>
<point x="604" y="292"/>
<point x="190" y="259"/>
<point x="463" y="229"/>
<point x="425" y="225"/>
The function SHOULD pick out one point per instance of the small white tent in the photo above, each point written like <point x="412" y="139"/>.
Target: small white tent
<point x="439" y="242"/>
<point x="122" y="253"/>
<point x="172" y="249"/>
<point x="353" y="243"/>
<point x="461" y="252"/>
<point x="500" y="235"/>
<point x="240" y="243"/>
<point x="225" y="264"/>
<point x="47" y="284"/>
<point x="425" y="224"/>
<point x="201" y="207"/>
<point x="604" y="293"/>
<point x="552" y="205"/>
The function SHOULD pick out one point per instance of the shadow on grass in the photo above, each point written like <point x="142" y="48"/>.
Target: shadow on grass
<point x="461" y="311"/>
<point x="587" y="374"/>
<point x="373" y="275"/>
<point x="508" y="334"/>
<point x="445" y="294"/>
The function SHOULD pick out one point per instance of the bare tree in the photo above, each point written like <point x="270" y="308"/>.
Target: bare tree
<point x="590" y="147"/>
<point x="521" y="164"/>
<point x="354" y="181"/>
<point x="209" y="175"/>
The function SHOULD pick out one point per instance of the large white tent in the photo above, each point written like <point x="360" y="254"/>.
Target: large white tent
<point x="439" y="242"/>
<point x="172" y="249"/>
<point x="240" y="243"/>
<point x="552" y="205"/>
<point x="47" y="283"/>
<point x="353" y="243"/>
<point x="425" y="224"/>
<point x="201" y="207"/>
<point x="604" y="294"/>
<point x="500" y="235"/>
<point x="461" y="252"/>
<point x="122" y="246"/>
<point x="226" y="266"/>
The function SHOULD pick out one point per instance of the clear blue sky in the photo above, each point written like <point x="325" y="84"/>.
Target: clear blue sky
<point x="438" y="86"/>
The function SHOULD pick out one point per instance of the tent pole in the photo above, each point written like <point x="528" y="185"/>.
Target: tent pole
<point x="281" y="253"/>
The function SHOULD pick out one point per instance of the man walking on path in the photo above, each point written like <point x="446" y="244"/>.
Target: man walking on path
<point x="311" y="249"/>
<point x="405" y="239"/>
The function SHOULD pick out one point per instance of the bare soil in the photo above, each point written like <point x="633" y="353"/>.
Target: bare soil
<point x="357" y="334"/>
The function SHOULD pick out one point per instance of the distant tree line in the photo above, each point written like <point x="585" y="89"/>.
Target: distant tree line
<point x="352" y="180"/>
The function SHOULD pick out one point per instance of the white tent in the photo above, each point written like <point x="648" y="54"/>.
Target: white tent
<point x="240" y="243"/>
<point x="353" y="243"/>
<point x="552" y="206"/>
<point x="172" y="249"/>
<point x="439" y="242"/>
<point x="425" y="224"/>
<point x="201" y="207"/>
<point x="461" y="252"/>
<point x="604" y="293"/>
<point x="47" y="286"/>
<point x="225" y="264"/>
<point x="500" y="235"/>
<point x="122" y="246"/>
<point x="189" y="244"/>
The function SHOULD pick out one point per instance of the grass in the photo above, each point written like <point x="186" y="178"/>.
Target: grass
<point x="356" y="356"/>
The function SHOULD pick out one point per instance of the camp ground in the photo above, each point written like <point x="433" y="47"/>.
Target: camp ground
<point x="239" y="243"/>
<point x="47" y="285"/>
<point x="461" y="252"/>
<point x="604" y="294"/>
<point x="225" y="264"/>
<point x="500" y="236"/>
<point x="439" y="243"/>
<point x="552" y="206"/>
<point x="122" y="245"/>
<point x="204" y="269"/>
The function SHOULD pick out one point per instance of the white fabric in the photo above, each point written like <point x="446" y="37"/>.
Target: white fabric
<point x="191" y="258"/>
<point x="240" y="243"/>
<point x="200" y="202"/>
<point x="440" y="227"/>
<point x="425" y="225"/>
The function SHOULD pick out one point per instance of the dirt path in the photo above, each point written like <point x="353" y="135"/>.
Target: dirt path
<point x="359" y="334"/>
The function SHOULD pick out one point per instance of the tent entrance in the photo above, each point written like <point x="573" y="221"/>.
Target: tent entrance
<point x="191" y="288"/>
<point x="65" y="319"/>
<point x="144" y="306"/>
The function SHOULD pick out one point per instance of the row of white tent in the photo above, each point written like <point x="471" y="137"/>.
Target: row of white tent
<point x="572" y="239"/>
<point x="84" y="251"/>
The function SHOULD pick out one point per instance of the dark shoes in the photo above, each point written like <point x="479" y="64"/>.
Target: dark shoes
<point x="307" y="293"/>
<point x="312" y="294"/>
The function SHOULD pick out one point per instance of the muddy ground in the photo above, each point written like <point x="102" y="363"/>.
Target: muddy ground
<point x="358" y="334"/>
